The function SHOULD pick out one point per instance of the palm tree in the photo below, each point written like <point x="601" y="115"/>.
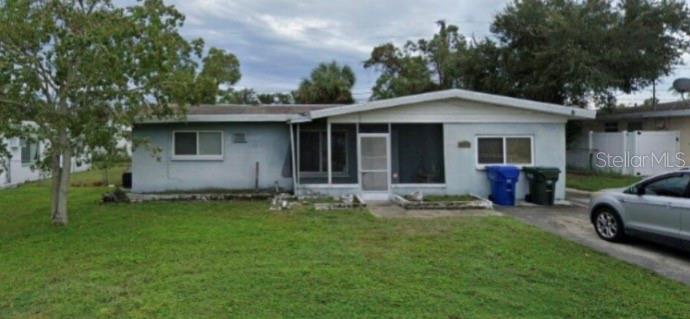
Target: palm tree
<point x="329" y="83"/>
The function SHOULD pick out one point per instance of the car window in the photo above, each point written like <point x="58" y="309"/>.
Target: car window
<point x="674" y="186"/>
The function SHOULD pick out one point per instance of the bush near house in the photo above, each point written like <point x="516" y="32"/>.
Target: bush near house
<point x="237" y="259"/>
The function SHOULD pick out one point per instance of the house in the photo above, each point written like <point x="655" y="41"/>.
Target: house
<point x="437" y="143"/>
<point x="636" y="132"/>
<point x="20" y="166"/>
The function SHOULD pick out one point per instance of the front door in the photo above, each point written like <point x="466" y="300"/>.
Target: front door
<point x="374" y="164"/>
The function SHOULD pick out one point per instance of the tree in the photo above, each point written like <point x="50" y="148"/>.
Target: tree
<point x="419" y="66"/>
<point x="560" y="51"/>
<point x="275" y="98"/>
<point x="82" y="70"/>
<point x="328" y="84"/>
<point x="243" y="96"/>
<point x="573" y="52"/>
<point x="220" y="71"/>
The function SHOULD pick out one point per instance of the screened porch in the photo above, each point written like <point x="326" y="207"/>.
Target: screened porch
<point x="370" y="157"/>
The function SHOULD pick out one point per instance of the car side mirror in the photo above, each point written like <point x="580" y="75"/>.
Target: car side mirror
<point x="639" y="191"/>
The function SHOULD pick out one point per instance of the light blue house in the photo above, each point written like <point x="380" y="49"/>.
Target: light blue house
<point x="437" y="143"/>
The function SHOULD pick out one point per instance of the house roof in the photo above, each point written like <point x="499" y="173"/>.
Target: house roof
<point x="570" y="112"/>
<point x="244" y="113"/>
<point x="297" y="113"/>
<point x="668" y="109"/>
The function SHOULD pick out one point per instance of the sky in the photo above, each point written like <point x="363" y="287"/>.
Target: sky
<point x="278" y="43"/>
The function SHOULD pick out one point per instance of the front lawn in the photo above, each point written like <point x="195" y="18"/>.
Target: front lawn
<point x="237" y="259"/>
<point x="592" y="181"/>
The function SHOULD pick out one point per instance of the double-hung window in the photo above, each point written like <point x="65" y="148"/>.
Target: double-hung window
<point x="197" y="145"/>
<point x="499" y="150"/>
<point x="30" y="152"/>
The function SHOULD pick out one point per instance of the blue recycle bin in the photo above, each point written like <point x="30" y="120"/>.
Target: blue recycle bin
<point x="503" y="179"/>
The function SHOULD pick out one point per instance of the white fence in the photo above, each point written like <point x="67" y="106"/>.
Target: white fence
<point x="640" y="153"/>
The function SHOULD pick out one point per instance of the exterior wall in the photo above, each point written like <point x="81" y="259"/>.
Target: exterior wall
<point x="267" y="143"/>
<point x="462" y="174"/>
<point x="17" y="172"/>
<point x="463" y="121"/>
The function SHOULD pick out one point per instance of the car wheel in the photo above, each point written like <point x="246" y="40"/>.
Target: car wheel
<point x="608" y="225"/>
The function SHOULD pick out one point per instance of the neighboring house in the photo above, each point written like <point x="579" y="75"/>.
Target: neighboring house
<point x="437" y="143"/>
<point x="20" y="168"/>
<point x="663" y="128"/>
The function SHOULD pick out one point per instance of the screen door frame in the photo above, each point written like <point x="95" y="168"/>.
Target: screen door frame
<point x="362" y="170"/>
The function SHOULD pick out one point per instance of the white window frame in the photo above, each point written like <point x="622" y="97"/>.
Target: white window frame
<point x="198" y="157"/>
<point x="32" y="160"/>
<point x="482" y="166"/>
<point x="323" y="167"/>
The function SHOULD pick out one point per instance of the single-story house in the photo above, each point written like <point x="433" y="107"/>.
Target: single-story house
<point x="20" y="166"/>
<point x="671" y="116"/>
<point x="437" y="143"/>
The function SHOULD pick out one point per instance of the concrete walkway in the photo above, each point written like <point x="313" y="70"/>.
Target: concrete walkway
<point x="573" y="223"/>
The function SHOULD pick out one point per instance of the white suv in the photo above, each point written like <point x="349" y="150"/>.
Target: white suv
<point x="657" y="208"/>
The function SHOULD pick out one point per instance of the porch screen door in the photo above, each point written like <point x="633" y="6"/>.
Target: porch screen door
<point x="374" y="168"/>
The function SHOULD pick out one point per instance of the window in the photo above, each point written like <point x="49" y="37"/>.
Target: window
<point x="516" y="150"/>
<point x="313" y="152"/>
<point x="611" y="127"/>
<point x="674" y="186"/>
<point x="198" y="145"/>
<point x="634" y="126"/>
<point x="29" y="152"/>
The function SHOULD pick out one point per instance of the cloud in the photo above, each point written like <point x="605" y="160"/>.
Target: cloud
<point x="279" y="42"/>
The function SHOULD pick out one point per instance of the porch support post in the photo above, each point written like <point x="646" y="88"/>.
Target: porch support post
<point x="294" y="160"/>
<point x="328" y="146"/>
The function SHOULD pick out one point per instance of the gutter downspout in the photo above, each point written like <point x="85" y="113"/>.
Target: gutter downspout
<point x="294" y="163"/>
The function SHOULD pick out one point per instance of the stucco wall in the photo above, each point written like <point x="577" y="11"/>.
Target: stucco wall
<point x="267" y="143"/>
<point x="462" y="175"/>
<point x="18" y="172"/>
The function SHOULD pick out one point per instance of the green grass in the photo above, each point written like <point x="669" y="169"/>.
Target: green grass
<point x="96" y="177"/>
<point x="592" y="181"/>
<point x="237" y="259"/>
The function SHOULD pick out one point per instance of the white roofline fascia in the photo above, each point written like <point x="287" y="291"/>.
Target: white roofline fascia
<point x="224" y="118"/>
<point x="647" y="114"/>
<point x="571" y="112"/>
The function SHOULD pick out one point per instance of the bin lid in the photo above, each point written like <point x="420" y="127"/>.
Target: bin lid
<point x="506" y="171"/>
<point x="544" y="171"/>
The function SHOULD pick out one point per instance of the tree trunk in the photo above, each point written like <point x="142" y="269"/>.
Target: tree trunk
<point x="55" y="184"/>
<point x="61" y="184"/>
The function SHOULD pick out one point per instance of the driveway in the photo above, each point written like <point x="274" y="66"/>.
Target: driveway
<point x="572" y="223"/>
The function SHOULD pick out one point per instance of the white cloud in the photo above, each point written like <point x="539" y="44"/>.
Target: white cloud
<point x="279" y="42"/>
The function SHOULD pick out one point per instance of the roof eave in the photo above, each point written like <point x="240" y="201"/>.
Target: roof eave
<point x="569" y="112"/>
<point x="646" y="114"/>
<point x="215" y="118"/>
